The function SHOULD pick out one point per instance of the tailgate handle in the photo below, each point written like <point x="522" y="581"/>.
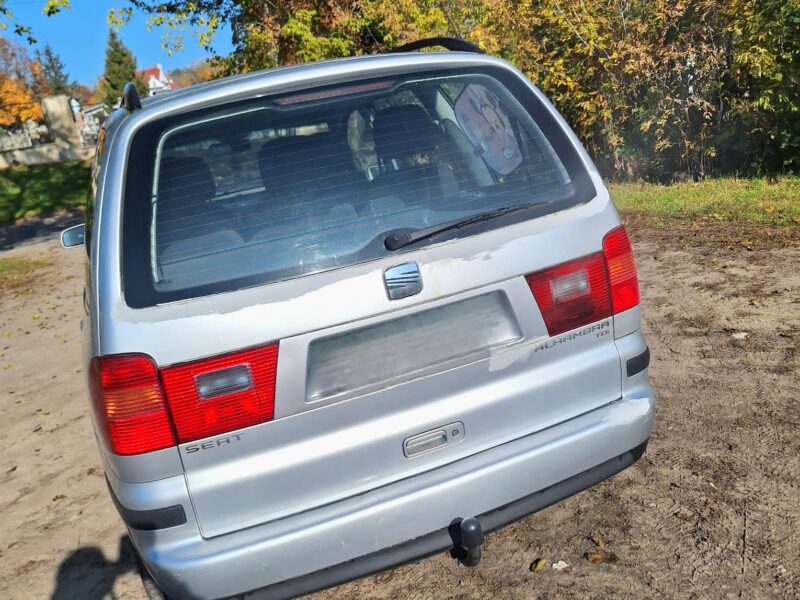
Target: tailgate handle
<point x="433" y="440"/>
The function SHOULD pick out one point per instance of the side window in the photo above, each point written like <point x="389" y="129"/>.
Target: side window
<point x="95" y="175"/>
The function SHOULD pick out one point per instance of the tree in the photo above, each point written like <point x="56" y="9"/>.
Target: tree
<point x="195" y="73"/>
<point x="655" y="89"/>
<point x="120" y="68"/>
<point x="765" y="80"/>
<point x="266" y="34"/>
<point x="20" y="85"/>
<point x="54" y="72"/>
<point x="17" y="103"/>
<point x="85" y="94"/>
<point x="16" y="62"/>
<point x="49" y="8"/>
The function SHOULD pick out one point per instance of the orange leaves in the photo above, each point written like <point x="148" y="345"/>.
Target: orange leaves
<point x="20" y="80"/>
<point x="17" y="102"/>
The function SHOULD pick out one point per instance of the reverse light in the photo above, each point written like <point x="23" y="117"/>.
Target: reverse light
<point x="128" y="404"/>
<point x="225" y="381"/>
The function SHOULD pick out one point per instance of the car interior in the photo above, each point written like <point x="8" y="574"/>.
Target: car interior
<point x="330" y="178"/>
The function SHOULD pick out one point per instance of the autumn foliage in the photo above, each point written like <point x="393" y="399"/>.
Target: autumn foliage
<point x="18" y="102"/>
<point x="21" y="84"/>
<point x="655" y="88"/>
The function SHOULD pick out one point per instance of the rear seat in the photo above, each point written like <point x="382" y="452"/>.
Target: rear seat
<point x="185" y="190"/>
<point x="400" y="133"/>
<point x="318" y="164"/>
<point x="310" y="182"/>
<point x="188" y="224"/>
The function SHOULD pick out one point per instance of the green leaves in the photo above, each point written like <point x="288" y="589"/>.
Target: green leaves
<point x="54" y="72"/>
<point x="53" y="7"/>
<point x="654" y="88"/>
<point x="300" y="42"/>
<point x="120" y="68"/>
<point x="117" y="17"/>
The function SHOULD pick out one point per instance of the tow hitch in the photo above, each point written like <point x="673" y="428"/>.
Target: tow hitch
<point x="467" y="535"/>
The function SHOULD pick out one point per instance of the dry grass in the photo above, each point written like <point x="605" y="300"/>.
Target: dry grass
<point x="19" y="274"/>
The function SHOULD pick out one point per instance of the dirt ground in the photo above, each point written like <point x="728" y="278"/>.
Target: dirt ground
<point x="711" y="511"/>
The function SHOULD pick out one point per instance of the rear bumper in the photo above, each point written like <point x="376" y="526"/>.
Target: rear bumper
<point x="399" y="522"/>
<point x="441" y="540"/>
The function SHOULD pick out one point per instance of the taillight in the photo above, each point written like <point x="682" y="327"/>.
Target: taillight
<point x="572" y="294"/>
<point x="205" y="398"/>
<point x="587" y="289"/>
<point x="128" y="404"/>
<point x="223" y="393"/>
<point x="621" y="270"/>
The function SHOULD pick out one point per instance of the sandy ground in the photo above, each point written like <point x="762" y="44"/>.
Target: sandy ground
<point x="711" y="511"/>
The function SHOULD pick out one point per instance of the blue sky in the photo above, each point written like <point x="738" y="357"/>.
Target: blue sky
<point x="79" y="37"/>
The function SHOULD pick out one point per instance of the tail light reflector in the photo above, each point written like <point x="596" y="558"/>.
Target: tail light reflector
<point x="223" y="393"/>
<point x="621" y="270"/>
<point x="572" y="294"/>
<point x="128" y="404"/>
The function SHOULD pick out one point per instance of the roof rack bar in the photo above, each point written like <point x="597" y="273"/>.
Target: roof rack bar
<point x="130" y="97"/>
<point x="449" y="43"/>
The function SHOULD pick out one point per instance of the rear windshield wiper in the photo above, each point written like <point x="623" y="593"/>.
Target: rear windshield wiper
<point x="396" y="240"/>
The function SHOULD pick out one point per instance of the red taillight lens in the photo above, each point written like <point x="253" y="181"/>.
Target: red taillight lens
<point x="621" y="270"/>
<point x="221" y="394"/>
<point x="128" y="404"/>
<point x="572" y="294"/>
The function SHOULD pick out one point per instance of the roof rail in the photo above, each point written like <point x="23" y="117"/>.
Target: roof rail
<point x="130" y="97"/>
<point x="449" y="43"/>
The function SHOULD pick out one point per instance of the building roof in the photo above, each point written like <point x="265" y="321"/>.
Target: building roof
<point x="156" y="72"/>
<point x="146" y="74"/>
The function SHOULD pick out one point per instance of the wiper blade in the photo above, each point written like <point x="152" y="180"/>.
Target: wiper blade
<point x="396" y="240"/>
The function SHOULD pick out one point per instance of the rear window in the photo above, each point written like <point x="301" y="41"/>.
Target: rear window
<point x="286" y="186"/>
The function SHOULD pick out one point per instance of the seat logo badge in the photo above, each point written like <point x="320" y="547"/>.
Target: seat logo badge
<point x="402" y="281"/>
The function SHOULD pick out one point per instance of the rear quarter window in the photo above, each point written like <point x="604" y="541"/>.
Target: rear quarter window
<point x="291" y="185"/>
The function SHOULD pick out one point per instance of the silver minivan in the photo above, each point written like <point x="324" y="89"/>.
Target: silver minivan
<point x="344" y="315"/>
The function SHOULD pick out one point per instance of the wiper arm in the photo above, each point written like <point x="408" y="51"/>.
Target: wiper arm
<point x="396" y="240"/>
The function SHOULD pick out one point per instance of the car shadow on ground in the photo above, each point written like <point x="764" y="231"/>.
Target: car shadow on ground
<point x="87" y="574"/>
<point x="37" y="229"/>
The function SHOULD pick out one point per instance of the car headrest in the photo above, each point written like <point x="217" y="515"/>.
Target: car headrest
<point x="184" y="181"/>
<point x="400" y="131"/>
<point x="288" y="162"/>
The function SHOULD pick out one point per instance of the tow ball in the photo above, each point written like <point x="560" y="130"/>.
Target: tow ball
<point x="467" y="535"/>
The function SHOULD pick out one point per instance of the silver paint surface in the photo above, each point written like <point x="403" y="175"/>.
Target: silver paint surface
<point x="329" y="472"/>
